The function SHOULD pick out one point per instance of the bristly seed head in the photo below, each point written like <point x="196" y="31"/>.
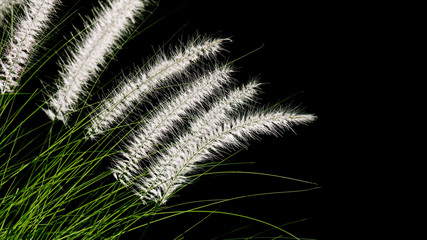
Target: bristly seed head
<point x="20" y="47"/>
<point x="171" y="170"/>
<point x="104" y="33"/>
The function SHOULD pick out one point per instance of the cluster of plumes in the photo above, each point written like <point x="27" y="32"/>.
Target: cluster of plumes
<point x="29" y="27"/>
<point x="206" y="115"/>
<point x="217" y="117"/>
<point x="136" y="87"/>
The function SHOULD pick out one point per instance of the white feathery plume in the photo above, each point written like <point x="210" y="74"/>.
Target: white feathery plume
<point x="137" y="87"/>
<point x="171" y="170"/>
<point x="20" y="47"/>
<point x="109" y="26"/>
<point x="162" y="121"/>
<point x="6" y="6"/>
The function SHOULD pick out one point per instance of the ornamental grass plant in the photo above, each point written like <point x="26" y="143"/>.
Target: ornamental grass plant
<point x="85" y="157"/>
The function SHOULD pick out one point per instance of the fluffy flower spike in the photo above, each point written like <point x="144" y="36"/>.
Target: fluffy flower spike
<point x="171" y="170"/>
<point x="103" y="35"/>
<point x="25" y="36"/>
